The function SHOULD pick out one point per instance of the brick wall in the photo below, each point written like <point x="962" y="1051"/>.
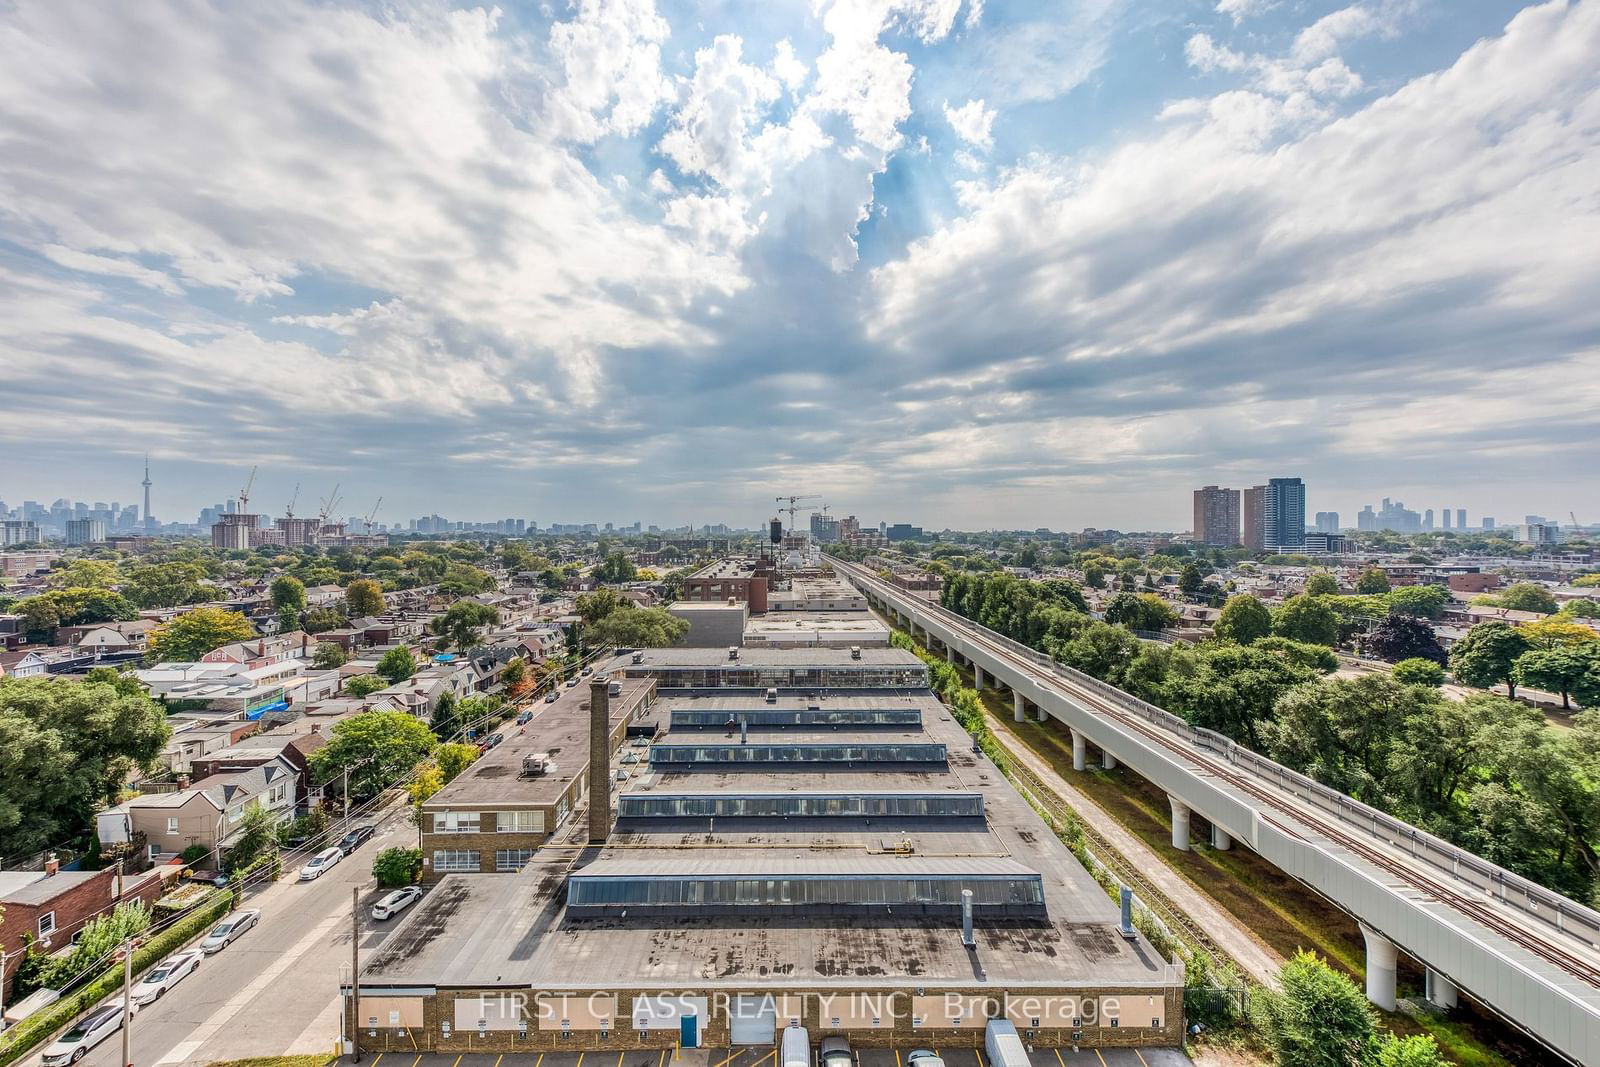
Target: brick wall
<point x="76" y="905"/>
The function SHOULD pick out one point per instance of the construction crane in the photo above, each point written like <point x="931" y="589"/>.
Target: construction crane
<point x="244" y="494"/>
<point x="794" y="506"/>
<point x="328" y="505"/>
<point x="288" y="512"/>
<point x="373" y="514"/>
<point x="1573" y="515"/>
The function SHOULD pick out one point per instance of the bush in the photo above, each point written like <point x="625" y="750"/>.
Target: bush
<point x="193" y="854"/>
<point x="1418" y="671"/>
<point x="39" y="1027"/>
<point x="364" y="685"/>
<point x="397" y="866"/>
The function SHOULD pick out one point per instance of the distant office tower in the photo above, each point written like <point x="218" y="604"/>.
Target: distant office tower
<point x="1427" y="521"/>
<point x="1252" y="517"/>
<point x="1445" y="514"/>
<point x="85" y="531"/>
<point x="1367" y="519"/>
<point x="1283" y="515"/>
<point x="1216" y="516"/>
<point x="1461" y="518"/>
<point x="1327" y="522"/>
<point x="1488" y="523"/>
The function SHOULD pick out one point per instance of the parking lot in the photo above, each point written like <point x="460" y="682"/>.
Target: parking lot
<point x="764" y="1056"/>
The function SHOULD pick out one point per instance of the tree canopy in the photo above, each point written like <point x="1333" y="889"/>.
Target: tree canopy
<point x="363" y="597"/>
<point x="1487" y="655"/>
<point x="377" y="747"/>
<point x="1307" y="618"/>
<point x="638" y="628"/>
<point x="1244" y="619"/>
<point x="397" y="665"/>
<point x="196" y="632"/>
<point x="462" y="623"/>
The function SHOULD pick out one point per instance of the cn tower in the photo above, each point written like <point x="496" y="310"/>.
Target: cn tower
<point x="146" y="484"/>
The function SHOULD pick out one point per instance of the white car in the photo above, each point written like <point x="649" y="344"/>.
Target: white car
<point x="922" y="1057"/>
<point x="166" y="974"/>
<point x="85" y="1034"/>
<point x="394" y="903"/>
<point x="320" y="863"/>
<point x="228" y="930"/>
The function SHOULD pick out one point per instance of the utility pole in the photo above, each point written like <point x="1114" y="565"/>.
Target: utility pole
<point x="355" y="974"/>
<point x="347" y="799"/>
<point x="127" y="1003"/>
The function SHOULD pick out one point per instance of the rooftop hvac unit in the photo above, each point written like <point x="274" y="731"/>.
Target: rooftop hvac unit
<point x="733" y="651"/>
<point x="535" y="765"/>
<point x="614" y="689"/>
<point x="638" y="657"/>
<point x="855" y="651"/>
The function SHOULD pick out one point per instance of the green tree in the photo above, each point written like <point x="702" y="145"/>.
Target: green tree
<point x="1244" y="619"/>
<point x="615" y="569"/>
<point x="463" y="579"/>
<point x="321" y="620"/>
<point x="363" y="597"/>
<point x="1373" y="580"/>
<point x="1320" y="1018"/>
<point x="377" y="747"/>
<point x="1523" y="596"/>
<point x="167" y="585"/>
<point x="1140" y="611"/>
<point x="288" y="595"/>
<point x="514" y="673"/>
<point x="1094" y="576"/>
<point x="1128" y="572"/>
<point x="1582" y="609"/>
<point x="1418" y="671"/>
<point x="41" y="618"/>
<point x="1307" y="618"/>
<point x="1557" y="632"/>
<point x="446" y="721"/>
<point x="592" y="607"/>
<point x="85" y="574"/>
<point x="463" y="622"/>
<point x="1322" y="584"/>
<point x="638" y="628"/>
<point x="1423" y="601"/>
<point x="1231" y="688"/>
<point x="256" y="836"/>
<point x="1571" y="670"/>
<point x="194" y="633"/>
<point x="66" y="750"/>
<point x="329" y="656"/>
<point x="364" y="685"/>
<point x="394" y="867"/>
<point x="452" y="758"/>
<point x="1189" y="579"/>
<point x="1487" y="655"/>
<point x="1319" y="658"/>
<point x="397" y="665"/>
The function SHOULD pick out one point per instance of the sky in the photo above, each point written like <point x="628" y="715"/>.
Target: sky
<point x="966" y="263"/>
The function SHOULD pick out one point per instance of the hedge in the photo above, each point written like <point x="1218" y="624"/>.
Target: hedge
<point x="43" y="1024"/>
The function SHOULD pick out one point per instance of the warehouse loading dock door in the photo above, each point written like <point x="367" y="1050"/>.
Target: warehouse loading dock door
<point x="753" y="1020"/>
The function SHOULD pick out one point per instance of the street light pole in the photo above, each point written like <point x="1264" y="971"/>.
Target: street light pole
<point x="355" y="974"/>
<point x="127" y="1003"/>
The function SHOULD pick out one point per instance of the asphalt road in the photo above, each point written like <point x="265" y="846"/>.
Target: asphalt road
<point x="275" y="990"/>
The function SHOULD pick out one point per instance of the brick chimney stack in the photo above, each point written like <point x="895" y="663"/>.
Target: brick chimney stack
<point x="599" y="759"/>
<point x="52" y="865"/>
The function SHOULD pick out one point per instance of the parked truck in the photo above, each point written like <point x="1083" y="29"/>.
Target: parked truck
<point x="1004" y="1047"/>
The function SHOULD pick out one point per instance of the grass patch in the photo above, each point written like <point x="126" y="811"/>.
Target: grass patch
<point x="319" y="1059"/>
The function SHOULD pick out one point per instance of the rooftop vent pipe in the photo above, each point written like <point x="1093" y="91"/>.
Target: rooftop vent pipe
<point x="967" y="937"/>
<point x="1125" y="927"/>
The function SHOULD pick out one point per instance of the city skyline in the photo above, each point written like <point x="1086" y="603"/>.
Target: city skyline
<point x="779" y="250"/>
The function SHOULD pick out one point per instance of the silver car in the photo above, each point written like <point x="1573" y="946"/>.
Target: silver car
<point x="835" y="1052"/>
<point x="228" y="930"/>
<point x="84" y="1035"/>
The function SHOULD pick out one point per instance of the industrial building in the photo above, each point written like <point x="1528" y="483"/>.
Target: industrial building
<point x="790" y="836"/>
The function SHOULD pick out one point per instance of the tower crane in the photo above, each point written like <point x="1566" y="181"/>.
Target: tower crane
<point x="331" y="502"/>
<point x="794" y="506"/>
<point x="373" y="514"/>
<point x="289" y="511"/>
<point x="244" y="494"/>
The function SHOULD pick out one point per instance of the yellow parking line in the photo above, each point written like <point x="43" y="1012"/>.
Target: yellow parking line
<point x="580" y="1060"/>
<point x="497" y="1060"/>
<point x="975" y="1052"/>
<point x="662" y="1062"/>
<point x="896" y="1058"/>
<point x="1139" y="1054"/>
<point x="1059" y="1059"/>
<point x="619" y="1059"/>
<point x="416" y="1061"/>
<point x="536" y="1063"/>
<point x="1102" y="1058"/>
<point x="458" y="1061"/>
<point x="375" y="1062"/>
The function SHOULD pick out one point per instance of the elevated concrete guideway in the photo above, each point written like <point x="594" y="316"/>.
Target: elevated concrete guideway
<point x="1529" y="954"/>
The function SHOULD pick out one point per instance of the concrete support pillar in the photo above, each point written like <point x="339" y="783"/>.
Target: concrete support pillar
<point x="977" y="677"/>
<point x="1381" y="961"/>
<point x="949" y="653"/>
<point x="1180" y="823"/>
<point x="1221" y="840"/>
<point x="1019" y="706"/>
<point x="1107" y="760"/>
<point x="1080" y="751"/>
<point x="1441" y="991"/>
<point x="1044" y="716"/>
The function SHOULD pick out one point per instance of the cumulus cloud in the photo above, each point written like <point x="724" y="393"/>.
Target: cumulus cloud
<point x="972" y="122"/>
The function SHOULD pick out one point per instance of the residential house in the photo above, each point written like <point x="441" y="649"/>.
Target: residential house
<point x="29" y="663"/>
<point x="207" y="813"/>
<point x="292" y="746"/>
<point x="107" y="637"/>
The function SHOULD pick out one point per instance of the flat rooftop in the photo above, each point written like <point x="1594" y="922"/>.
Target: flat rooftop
<point x="514" y="930"/>
<point x="559" y="730"/>
<point x="764" y="657"/>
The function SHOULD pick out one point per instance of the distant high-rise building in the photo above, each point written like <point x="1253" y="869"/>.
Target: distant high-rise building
<point x="1327" y="522"/>
<point x="1283" y="516"/>
<point x="1445" y="514"/>
<point x="1461" y="518"/>
<point x="1396" y="516"/>
<point x="1534" y="520"/>
<point x="1488" y="522"/>
<point x="1252" y="517"/>
<point x="85" y="531"/>
<point x="148" y="520"/>
<point x="1367" y="519"/>
<point x="1427" y="521"/>
<point x="1216" y="516"/>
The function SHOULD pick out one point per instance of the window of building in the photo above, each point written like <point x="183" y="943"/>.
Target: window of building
<point x="172" y="824"/>
<point x="47" y="924"/>
<point x="519" y="822"/>
<point x="512" y="859"/>
<point x="456" y="861"/>
<point x="455" y="822"/>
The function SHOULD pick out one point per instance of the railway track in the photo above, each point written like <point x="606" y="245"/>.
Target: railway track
<point x="1570" y="962"/>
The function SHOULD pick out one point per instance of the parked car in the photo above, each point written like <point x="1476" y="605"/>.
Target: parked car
<point x="923" y="1057"/>
<point x="228" y="930"/>
<point x="166" y="974"/>
<point x="394" y="903"/>
<point x="552" y="696"/>
<point x="523" y="717"/>
<point x="84" y="1035"/>
<point x="322" y="861"/>
<point x="571" y="682"/>
<point x="358" y="836"/>
<point x="496" y="738"/>
<point x="835" y="1052"/>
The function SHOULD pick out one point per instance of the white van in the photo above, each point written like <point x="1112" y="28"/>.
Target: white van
<point x="795" y="1049"/>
